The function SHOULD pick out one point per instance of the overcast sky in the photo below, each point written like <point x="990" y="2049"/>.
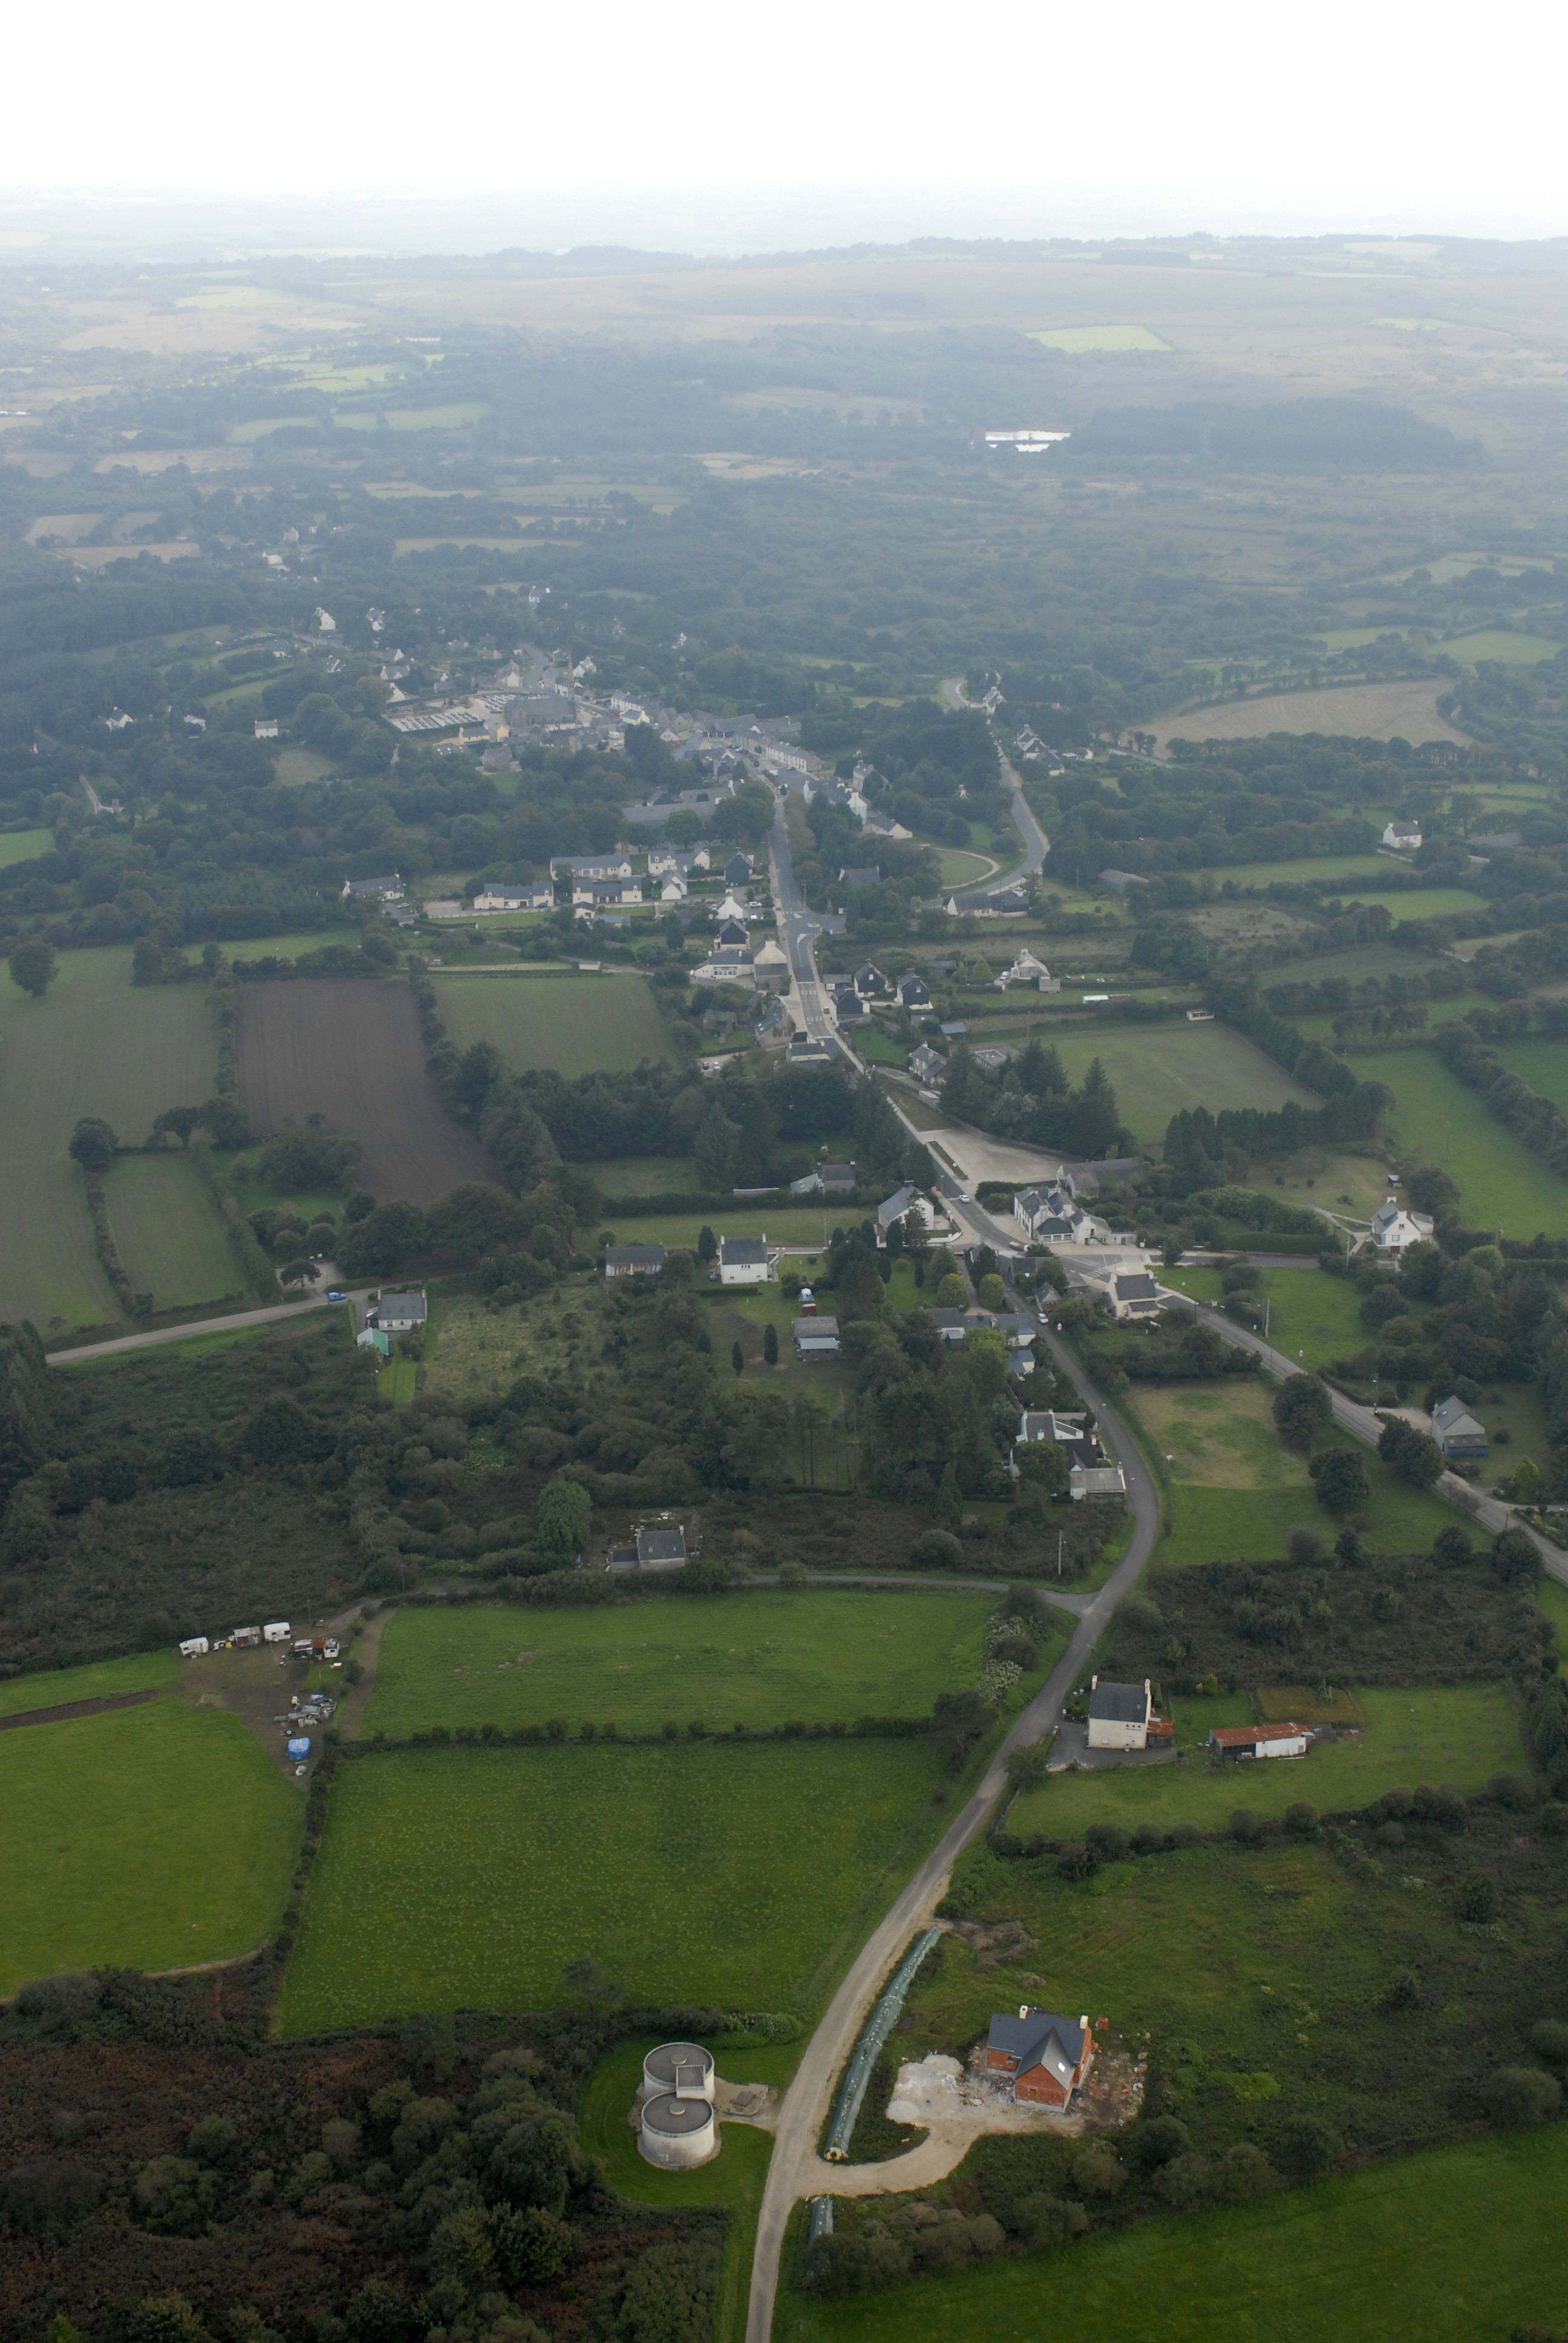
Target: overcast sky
<point x="850" y="116"/>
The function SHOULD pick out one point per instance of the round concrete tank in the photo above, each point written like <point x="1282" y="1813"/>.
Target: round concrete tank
<point x="677" y="2133"/>
<point x="683" y="2069"/>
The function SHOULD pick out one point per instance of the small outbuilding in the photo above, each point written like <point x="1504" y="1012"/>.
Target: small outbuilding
<point x="815" y="1337"/>
<point x="1234" y="1742"/>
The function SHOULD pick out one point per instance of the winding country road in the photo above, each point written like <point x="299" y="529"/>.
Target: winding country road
<point x="794" y="2171"/>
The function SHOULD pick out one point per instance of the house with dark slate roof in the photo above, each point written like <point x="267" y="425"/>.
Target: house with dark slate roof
<point x="1046" y="2058"/>
<point x="1119" y="1713"/>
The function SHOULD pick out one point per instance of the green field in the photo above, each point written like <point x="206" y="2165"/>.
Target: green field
<point x="1299" y="874"/>
<point x="570" y="1024"/>
<point x="1419" y="902"/>
<point x="1311" y="1316"/>
<point x="467" y="1878"/>
<point x="1231" y="1490"/>
<point x="168" y="1231"/>
<point x="1542" y="1064"/>
<point x="1157" y="1070"/>
<point x="958" y="868"/>
<point x="92" y="1046"/>
<point x="759" y="1658"/>
<point x="1461" y="1734"/>
<point x="1452" y="2247"/>
<point x="49" y="1687"/>
<point x="455" y="418"/>
<point x="1436" y="1119"/>
<point x="25" y="846"/>
<point x="1502" y="645"/>
<point x="149" y="1837"/>
<point x="735" y="2178"/>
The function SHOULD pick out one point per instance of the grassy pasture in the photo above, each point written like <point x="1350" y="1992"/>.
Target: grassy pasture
<point x="1388" y="2253"/>
<point x="100" y="1679"/>
<point x="1501" y="645"/>
<point x="455" y="418"/>
<point x="1157" y="1070"/>
<point x="1232" y="1489"/>
<point x="151" y="1837"/>
<point x="1302" y="873"/>
<point x="1542" y="1064"/>
<point x="762" y="1658"/>
<point x="570" y="1024"/>
<point x="1406" y="710"/>
<point x="25" y="846"/>
<point x="467" y="1878"/>
<point x="1436" y="1119"/>
<point x="1310" y="1312"/>
<point x="1461" y="1734"/>
<point x="1419" y="902"/>
<point x="168" y="1231"/>
<point x="94" y="1046"/>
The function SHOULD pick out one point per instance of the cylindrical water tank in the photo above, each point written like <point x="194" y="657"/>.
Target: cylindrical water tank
<point x="677" y="2133"/>
<point x="684" y="2069"/>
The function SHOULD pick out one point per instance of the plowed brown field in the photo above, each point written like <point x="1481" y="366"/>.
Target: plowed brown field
<point x="350" y="1050"/>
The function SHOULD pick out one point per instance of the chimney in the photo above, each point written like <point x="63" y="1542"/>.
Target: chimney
<point x="1022" y="2011"/>
<point x="1093" y="1683"/>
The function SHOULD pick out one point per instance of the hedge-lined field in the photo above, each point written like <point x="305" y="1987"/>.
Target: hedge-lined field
<point x="759" y="1659"/>
<point x="571" y="1024"/>
<point x="150" y="1837"/>
<point x="467" y="1878"/>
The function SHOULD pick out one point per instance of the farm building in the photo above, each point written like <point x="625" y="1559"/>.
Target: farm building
<point x="1394" y="1230"/>
<point x="1119" y="1713"/>
<point x="828" y="1180"/>
<point x="633" y="1260"/>
<point x="1456" y="1431"/>
<point x="1045" y="2059"/>
<point x="387" y="888"/>
<point x="1103" y="1480"/>
<point x="743" y="1261"/>
<point x="815" y="1337"/>
<point x="398" y="1313"/>
<point x="1132" y="1293"/>
<point x="1233" y="1742"/>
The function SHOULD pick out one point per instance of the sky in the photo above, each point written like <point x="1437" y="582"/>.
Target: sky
<point x="720" y="127"/>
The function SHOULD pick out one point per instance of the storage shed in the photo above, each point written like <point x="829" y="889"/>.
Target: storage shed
<point x="1239" y="1740"/>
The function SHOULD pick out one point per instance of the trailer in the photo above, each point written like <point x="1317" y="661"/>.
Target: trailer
<point x="303" y="1647"/>
<point x="245" y="1639"/>
<point x="276" y="1632"/>
<point x="194" y="1647"/>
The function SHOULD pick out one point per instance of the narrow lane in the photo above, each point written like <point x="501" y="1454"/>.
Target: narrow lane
<point x="792" y="2171"/>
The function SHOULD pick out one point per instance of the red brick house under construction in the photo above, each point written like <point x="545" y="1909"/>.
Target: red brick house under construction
<point x="1047" y="2057"/>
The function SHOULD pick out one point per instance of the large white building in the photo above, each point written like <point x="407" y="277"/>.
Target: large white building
<point x="743" y="1261"/>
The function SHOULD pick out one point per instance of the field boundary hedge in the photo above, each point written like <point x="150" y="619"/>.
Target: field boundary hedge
<point x="556" y="1733"/>
<point x="1534" y="1121"/>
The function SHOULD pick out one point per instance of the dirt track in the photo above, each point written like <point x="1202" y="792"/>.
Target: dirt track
<point x="350" y="1049"/>
<point x="79" y="1708"/>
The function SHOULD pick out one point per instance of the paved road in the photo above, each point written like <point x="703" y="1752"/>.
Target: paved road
<point x="197" y="1326"/>
<point x="792" y="2172"/>
<point x="1036" y="845"/>
<point x="1489" y="1513"/>
<point x="798" y="928"/>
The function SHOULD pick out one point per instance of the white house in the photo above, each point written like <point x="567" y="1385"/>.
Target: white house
<point x="1394" y="1230"/>
<point x="1405" y="835"/>
<point x="398" y="1314"/>
<point x="771" y="962"/>
<point x="387" y="890"/>
<point x="590" y="866"/>
<point x="900" y="1206"/>
<point x="1132" y="1293"/>
<point x="734" y="908"/>
<point x="1027" y="971"/>
<point x="1053" y="1215"/>
<point x="324" y="621"/>
<point x="926" y="1064"/>
<point x="1119" y="1713"/>
<point x="743" y="1261"/>
<point x="1456" y="1431"/>
<point x="597" y="894"/>
<point x="672" y="890"/>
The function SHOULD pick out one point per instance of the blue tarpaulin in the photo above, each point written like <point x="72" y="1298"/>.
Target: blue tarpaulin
<point x="299" y="1748"/>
